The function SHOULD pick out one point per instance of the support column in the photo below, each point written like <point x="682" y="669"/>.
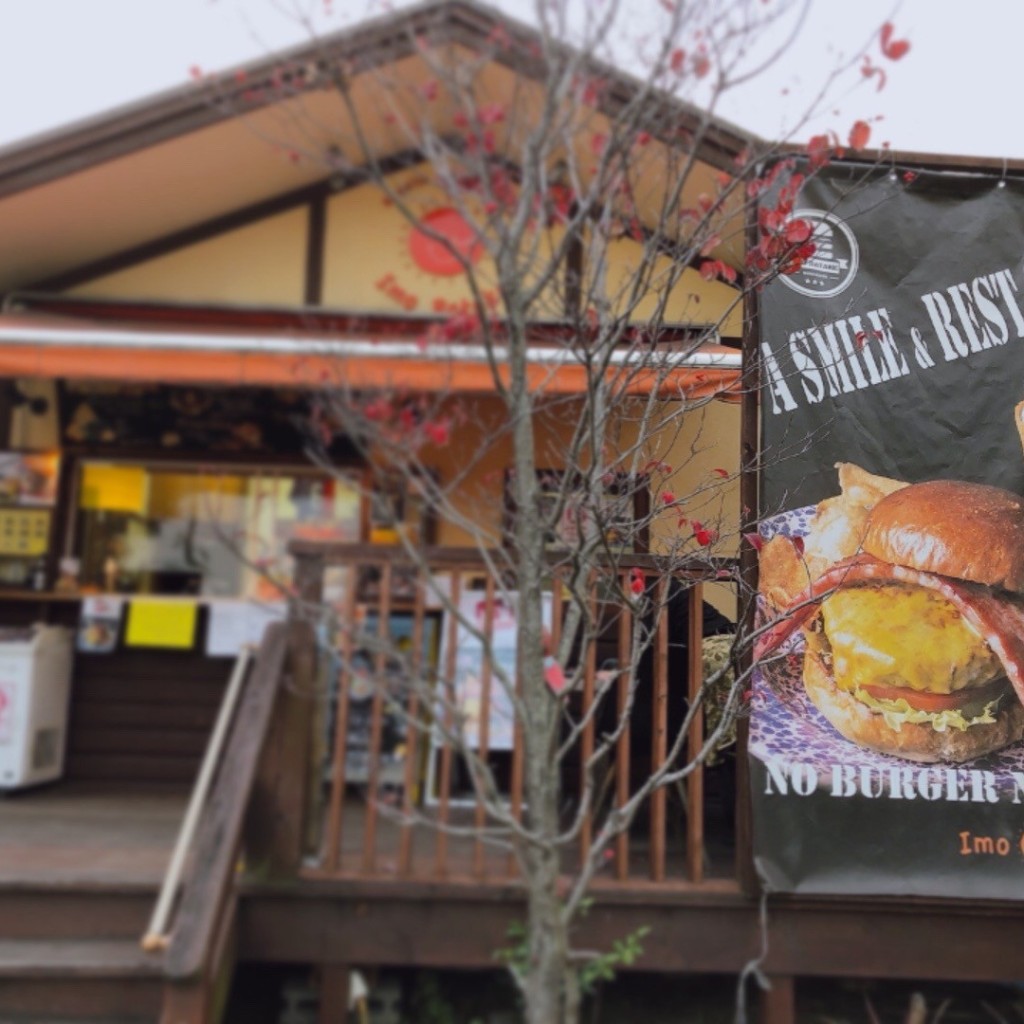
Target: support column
<point x="777" y="1005"/>
<point x="334" y="988"/>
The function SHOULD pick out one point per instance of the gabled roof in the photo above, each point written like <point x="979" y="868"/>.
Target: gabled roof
<point x="250" y="87"/>
<point x="154" y="168"/>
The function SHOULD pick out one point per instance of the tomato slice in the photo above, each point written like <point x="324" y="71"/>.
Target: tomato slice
<point x="925" y="701"/>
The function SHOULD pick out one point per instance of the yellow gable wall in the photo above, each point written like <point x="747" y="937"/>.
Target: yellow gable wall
<point x="691" y="300"/>
<point x="369" y="264"/>
<point x="370" y="258"/>
<point x="260" y="264"/>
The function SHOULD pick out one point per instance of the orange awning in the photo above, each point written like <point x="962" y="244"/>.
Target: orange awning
<point x="36" y="346"/>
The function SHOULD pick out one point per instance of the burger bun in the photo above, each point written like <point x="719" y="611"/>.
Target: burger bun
<point x="968" y="531"/>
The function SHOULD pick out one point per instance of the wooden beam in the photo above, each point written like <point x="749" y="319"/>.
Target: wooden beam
<point x="750" y="469"/>
<point x="714" y="929"/>
<point x="316" y="237"/>
<point x="191" y="235"/>
<point x="315" y="196"/>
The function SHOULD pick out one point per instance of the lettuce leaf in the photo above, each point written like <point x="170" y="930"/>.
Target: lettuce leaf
<point x="896" y="712"/>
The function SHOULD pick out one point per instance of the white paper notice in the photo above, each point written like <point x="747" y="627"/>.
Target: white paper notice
<point x="233" y="624"/>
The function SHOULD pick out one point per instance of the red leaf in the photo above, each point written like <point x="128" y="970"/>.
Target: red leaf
<point x="712" y="269"/>
<point x="705" y="537"/>
<point x="798" y="543"/>
<point x="860" y="338"/>
<point x="597" y="143"/>
<point x="677" y="61"/>
<point x="819" y="151"/>
<point x="667" y="497"/>
<point x="894" y="49"/>
<point x="195" y="71"/>
<point x="755" y="540"/>
<point x="712" y="243"/>
<point x="592" y="91"/>
<point x="378" y="409"/>
<point x="428" y="90"/>
<point x="718" y="471"/>
<point x="859" y="134"/>
<point x="636" y="581"/>
<point x="437" y="433"/>
<point x="909" y="176"/>
<point x="554" y="677"/>
<point x="701" y="65"/>
<point x="869" y="70"/>
<point x="491" y="113"/>
<point x="798" y="231"/>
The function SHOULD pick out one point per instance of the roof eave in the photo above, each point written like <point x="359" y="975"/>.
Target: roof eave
<point x="247" y="87"/>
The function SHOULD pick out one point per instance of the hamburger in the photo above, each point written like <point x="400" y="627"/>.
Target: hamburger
<point x="915" y="640"/>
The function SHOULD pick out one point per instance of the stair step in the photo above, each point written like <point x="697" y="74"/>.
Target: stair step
<point x="110" y="980"/>
<point x="80" y="1000"/>
<point x="34" y="1018"/>
<point x="98" y="958"/>
<point x="31" y="912"/>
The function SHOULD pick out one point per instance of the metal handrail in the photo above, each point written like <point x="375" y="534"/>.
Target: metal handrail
<point x="156" y="936"/>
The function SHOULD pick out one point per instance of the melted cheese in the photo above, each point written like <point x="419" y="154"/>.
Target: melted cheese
<point x="893" y="635"/>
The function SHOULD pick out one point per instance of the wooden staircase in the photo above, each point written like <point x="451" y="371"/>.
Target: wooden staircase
<point x="72" y="954"/>
<point x="81" y="868"/>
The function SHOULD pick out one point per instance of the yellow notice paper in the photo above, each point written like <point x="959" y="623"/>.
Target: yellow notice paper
<point x="161" y="624"/>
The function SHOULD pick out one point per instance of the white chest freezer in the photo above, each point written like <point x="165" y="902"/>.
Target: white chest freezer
<point x="35" y="689"/>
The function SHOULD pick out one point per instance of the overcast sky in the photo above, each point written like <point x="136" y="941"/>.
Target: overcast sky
<point x="957" y="91"/>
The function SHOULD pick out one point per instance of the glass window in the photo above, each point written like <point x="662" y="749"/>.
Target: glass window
<point x="174" y="529"/>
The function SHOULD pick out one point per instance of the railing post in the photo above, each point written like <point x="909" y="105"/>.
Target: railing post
<point x="777" y="1005"/>
<point x="308" y="578"/>
<point x="275" y="826"/>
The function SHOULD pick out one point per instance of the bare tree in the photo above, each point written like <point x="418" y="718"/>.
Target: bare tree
<point x="585" y="202"/>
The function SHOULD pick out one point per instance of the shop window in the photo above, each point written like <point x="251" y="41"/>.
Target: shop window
<point x="179" y="529"/>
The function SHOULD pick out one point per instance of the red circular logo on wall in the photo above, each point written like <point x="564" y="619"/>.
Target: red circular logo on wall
<point x="431" y="254"/>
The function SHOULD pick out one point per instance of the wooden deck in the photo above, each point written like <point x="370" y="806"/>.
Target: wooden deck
<point x="81" y="834"/>
<point x="77" y="833"/>
<point x="88" y="842"/>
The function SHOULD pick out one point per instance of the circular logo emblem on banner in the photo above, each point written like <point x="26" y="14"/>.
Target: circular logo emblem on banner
<point x="833" y="266"/>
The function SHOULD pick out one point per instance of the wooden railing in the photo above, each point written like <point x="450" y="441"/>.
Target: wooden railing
<point x="252" y="787"/>
<point x="413" y="815"/>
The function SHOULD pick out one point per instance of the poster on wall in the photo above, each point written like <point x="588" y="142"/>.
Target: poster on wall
<point x="887" y="724"/>
<point x="476" y="686"/>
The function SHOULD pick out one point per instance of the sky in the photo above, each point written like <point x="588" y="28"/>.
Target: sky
<point x="954" y="92"/>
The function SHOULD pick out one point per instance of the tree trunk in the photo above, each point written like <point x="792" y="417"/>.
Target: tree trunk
<point x="547" y="944"/>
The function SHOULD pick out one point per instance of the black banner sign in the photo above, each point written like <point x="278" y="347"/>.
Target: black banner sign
<point x="886" y="738"/>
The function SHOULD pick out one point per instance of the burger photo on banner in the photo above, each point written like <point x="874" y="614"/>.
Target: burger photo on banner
<point x="907" y="598"/>
<point x="887" y="724"/>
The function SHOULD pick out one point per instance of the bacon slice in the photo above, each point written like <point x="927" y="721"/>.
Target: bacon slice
<point x="999" y="619"/>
